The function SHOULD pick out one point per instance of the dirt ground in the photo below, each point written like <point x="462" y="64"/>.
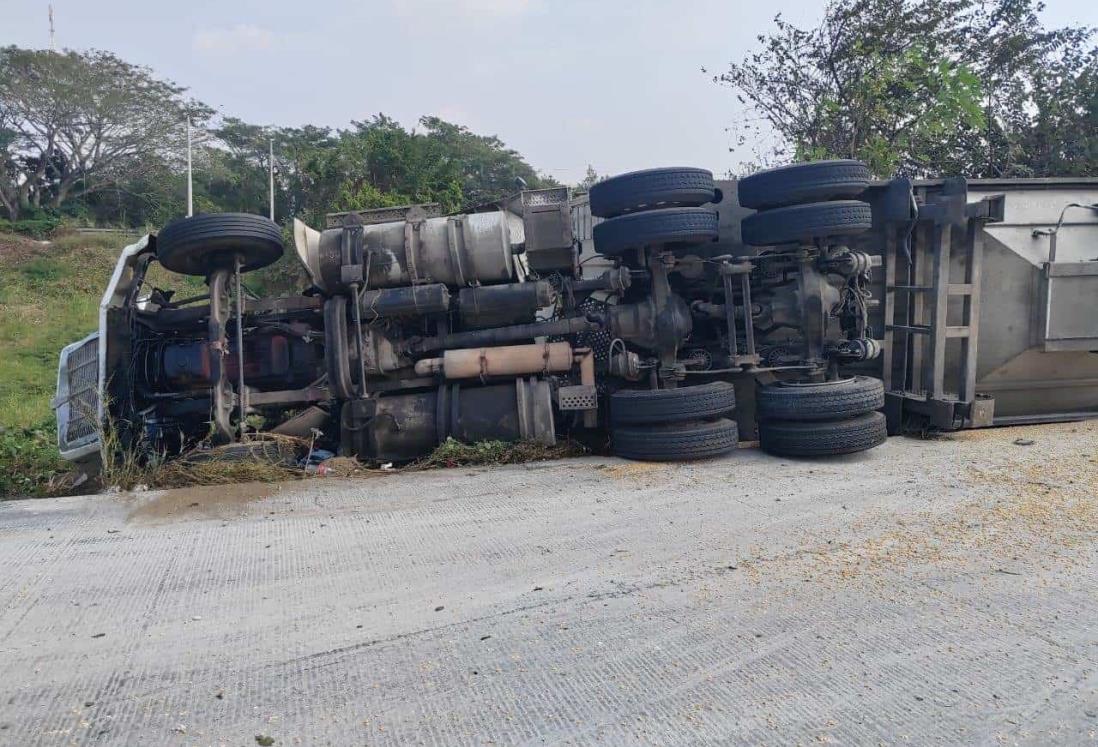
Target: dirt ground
<point x="925" y="592"/>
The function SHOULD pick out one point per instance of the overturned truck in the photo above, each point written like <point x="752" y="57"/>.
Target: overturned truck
<point x="664" y="314"/>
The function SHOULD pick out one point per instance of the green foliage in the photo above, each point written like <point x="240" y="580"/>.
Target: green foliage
<point x="77" y="123"/>
<point x="39" y="228"/>
<point x="29" y="462"/>
<point x="926" y="87"/>
<point x="136" y="176"/>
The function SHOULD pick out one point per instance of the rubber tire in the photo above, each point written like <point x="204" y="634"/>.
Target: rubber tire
<point x="803" y="182"/>
<point x="676" y="442"/>
<point x="202" y="243"/>
<point x="651" y="189"/>
<point x="828" y="438"/>
<point x="687" y="225"/>
<point x="656" y="406"/>
<point x="825" y="401"/>
<point x="797" y="223"/>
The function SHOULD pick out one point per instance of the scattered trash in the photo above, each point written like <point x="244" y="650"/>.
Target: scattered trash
<point x="1023" y="442"/>
<point x="338" y="466"/>
<point x="98" y="635"/>
<point x="314" y="461"/>
<point x="263" y="740"/>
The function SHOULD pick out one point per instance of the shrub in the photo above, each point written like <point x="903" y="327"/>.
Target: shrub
<point x="39" y="228"/>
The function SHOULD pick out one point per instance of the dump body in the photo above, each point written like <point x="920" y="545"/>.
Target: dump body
<point x="1038" y="332"/>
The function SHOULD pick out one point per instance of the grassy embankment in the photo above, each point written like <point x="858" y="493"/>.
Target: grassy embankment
<point x="49" y="297"/>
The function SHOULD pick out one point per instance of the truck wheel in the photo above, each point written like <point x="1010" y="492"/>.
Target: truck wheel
<point x="826" y="438"/>
<point x="828" y="400"/>
<point x="656" y="406"/>
<point x="202" y="243"/>
<point x="803" y="182"/>
<point x="687" y="225"/>
<point x="816" y="220"/>
<point x="650" y="189"/>
<point x="675" y="442"/>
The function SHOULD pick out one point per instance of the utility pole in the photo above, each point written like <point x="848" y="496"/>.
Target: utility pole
<point x="53" y="45"/>
<point x="271" y="173"/>
<point x="190" y="186"/>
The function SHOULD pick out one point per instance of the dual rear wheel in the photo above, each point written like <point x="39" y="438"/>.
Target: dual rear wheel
<point x="654" y="206"/>
<point x="805" y="202"/>
<point x="678" y="424"/>
<point x="821" y="418"/>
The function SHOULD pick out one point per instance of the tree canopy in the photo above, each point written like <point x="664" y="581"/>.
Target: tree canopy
<point x="74" y="123"/>
<point x="925" y="87"/>
<point x="89" y="135"/>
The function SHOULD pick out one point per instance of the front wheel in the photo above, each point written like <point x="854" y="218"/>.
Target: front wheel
<point x="200" y="244"/>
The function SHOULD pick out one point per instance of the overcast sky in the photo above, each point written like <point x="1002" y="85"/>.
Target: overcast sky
<point x="612" y="83"/>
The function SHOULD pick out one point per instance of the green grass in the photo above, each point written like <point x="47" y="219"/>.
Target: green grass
<point x="29" y="463"/>
<point x="49" y="297"/>
<point x="46" y="301"/>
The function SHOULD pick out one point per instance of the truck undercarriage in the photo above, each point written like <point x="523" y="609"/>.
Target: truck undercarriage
<point x="666" y="313"/>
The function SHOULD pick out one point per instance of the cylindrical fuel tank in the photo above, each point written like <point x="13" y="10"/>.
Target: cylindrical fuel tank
<point x="499" y="305"/>
<point x="408" y="426"/>
<point x="456" y="250"/>
<point x="414" y="300"/>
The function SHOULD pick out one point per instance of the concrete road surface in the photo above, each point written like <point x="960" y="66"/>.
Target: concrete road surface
<point x="939" y="591"/>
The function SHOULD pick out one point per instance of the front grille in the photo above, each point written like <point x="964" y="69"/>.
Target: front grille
<point x="83" y="399"/>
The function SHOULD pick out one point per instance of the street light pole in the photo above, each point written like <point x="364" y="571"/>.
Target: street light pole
<point x="190" y="186"/>
<point x="271" y="173"/>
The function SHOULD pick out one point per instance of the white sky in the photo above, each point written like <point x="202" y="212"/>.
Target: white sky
<point x="613" y="83"/>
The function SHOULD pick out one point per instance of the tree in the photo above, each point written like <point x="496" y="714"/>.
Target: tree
<point x="91" y="136"/>
<point x="74" y="123"/>
<point x="924" y="87"/>
<point x="487" y="169"/>
<point x="590" y="179"/>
